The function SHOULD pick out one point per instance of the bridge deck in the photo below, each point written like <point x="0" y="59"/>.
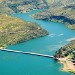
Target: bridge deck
<point x="30" y="53"/>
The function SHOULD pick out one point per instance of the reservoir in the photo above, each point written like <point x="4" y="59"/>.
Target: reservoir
<point x="23" y="64"/>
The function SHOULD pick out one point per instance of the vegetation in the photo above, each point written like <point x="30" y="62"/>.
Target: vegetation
<point x="72" y="72"/>
<point x="66" y="55"/>
<point x="61" y="13"/>
<point x="58" y="11"/>
<point x="23" y="6"/>
<point x="67" y="51"/>
<point x="5" y="9"/>
<point x="14" y="30"/>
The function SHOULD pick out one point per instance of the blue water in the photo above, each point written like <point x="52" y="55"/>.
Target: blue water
<point x="21" y="64"/>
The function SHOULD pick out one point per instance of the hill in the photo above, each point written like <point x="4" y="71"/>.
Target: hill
<point x="66" y="55"/>
<point x="64" y="13"/>
<point x="14" y="30"/>
<point x="23" y="6"/>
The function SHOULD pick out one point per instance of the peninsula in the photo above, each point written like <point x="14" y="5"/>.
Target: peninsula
<point x="66" y="55"/>
<point x="14" y="30"/>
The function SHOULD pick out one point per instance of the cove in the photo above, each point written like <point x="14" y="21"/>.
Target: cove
<point x="20" y="64"/>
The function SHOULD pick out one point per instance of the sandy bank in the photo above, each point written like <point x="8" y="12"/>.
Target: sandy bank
<point x="68" y="65"/>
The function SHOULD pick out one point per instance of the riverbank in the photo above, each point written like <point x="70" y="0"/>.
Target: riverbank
<point x="66" y="55"/>
<point x="68" y="65"/>
<point x="61" y="14"/>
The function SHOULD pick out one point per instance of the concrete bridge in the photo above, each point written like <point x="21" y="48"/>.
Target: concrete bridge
<point x="30" y="53"/>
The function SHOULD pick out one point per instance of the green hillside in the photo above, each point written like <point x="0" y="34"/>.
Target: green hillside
<point x="22" y="6"/>
<point x="65" y="15"/>
<point x="14" y="30"/>
<point x="67" y="51"/>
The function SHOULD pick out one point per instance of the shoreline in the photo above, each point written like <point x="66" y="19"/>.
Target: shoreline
<point x="68" y="65"/>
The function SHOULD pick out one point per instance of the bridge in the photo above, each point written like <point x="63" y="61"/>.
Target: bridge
<point x="30" y="53"/>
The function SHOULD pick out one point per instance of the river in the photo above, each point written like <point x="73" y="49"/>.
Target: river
<point x="21" y="64"/>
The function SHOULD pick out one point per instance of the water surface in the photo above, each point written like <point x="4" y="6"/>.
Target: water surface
<point x="21" y="64"/>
